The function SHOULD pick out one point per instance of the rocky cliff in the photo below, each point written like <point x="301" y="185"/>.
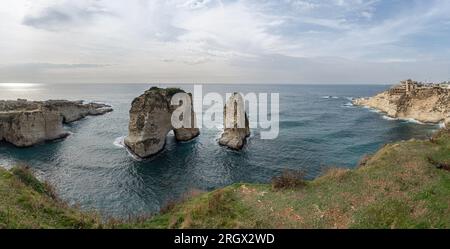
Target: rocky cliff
<point x="25" y="123"/>
<point x="236" y="124"/>
<point x="429" y="105"/>
<point x="150" y="122"/>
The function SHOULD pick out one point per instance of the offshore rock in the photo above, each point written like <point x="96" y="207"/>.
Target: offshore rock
<point x="236" y="124"/>
<point x="150" y="122"/>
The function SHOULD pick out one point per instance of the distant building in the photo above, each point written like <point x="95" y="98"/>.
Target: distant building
<point x="410" y="87"/>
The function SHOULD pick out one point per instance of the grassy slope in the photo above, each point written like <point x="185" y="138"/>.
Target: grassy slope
<point x="397" y="188"/>
<point x="27" y="203"/>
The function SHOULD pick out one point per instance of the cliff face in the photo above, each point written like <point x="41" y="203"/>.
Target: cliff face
<point x="25" y="123"/>
<point x="150" y="122"/>
<point x="430" y="105"/>
<point x="236" y="124"/>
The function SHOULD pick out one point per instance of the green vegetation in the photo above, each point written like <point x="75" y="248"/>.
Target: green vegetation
<point x="403" y="185"/>
<point x="170" y="91"/>
<point x="395" y="188"/>
<point x="25" y="202"/>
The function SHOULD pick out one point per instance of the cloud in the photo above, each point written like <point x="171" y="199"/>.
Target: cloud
<point x="223" y="40"/>
<point x="64" y="15"/>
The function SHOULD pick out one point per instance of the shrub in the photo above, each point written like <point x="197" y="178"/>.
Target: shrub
<point x="289" y="179"/>
<point x="220" y="201"/>
<point x="439" y="165"/>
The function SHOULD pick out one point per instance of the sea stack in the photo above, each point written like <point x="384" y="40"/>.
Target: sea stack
<point x="236" y="124"/>
<point x="150" y="122"/>
<point x="25" y="123"/>
<point x="428" y="103"/>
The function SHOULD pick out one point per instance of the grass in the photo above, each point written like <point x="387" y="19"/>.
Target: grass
<point x="27" y="203"/>
<point x="397" y="187"/>
<point x="400" y="186"/>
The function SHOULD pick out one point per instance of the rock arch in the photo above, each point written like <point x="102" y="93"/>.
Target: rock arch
<point x="150" y="122"/>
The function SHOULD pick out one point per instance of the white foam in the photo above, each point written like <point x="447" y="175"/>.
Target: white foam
<point x="350" y="104"/>
<point x="407" y="120"/>
<point x="411" y="120"/>
<point x="389" y="118"/>
<point x="442" y="125"/>
<point x="120" y="142"/>
<point x="329" y="97"/>
<point x="374" y="110"/>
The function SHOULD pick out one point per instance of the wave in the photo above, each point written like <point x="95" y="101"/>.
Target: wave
<point x="411" y="120"/>
<point x="349" y="104"/>
<point x="330" y="97"/>
<point x="120" y="142"/>
<point x="389" y="118"/>
<point x="374" y="110"/>
<point x="406" y="120"/>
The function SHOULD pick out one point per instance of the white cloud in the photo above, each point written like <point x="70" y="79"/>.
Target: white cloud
<point x="221" y="41"/>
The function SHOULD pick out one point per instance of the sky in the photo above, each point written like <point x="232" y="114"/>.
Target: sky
<point x="224" y="41"/>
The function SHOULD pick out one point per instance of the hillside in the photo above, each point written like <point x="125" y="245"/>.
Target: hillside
<point x="403" y="185"/>
<point x="27" y="203"/>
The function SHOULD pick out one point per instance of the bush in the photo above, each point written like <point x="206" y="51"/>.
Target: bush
<point x="289" y="179"/>
<point x="220" y="201"/>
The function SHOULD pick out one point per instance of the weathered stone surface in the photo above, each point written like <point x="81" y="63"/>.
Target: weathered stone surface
<point x="447" y="123"/>
<point x="150" y="122"/>
<point x="236" y="124"/>
<point x="25" y="123"/>
<point x="428" y="104"/>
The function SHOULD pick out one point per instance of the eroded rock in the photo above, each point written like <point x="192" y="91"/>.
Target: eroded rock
<point x="150" y="122"/>
<point x="236" y="124"/>
<point x="25" y="123"/>
<point x="408" y="101"/>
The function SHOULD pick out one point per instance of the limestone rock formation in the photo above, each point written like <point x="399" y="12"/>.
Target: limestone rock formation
<point x="236" y="124"/>
<point x="150" y="122"/>
<point x="25" y="123"/>
<point x="429" y="104"/>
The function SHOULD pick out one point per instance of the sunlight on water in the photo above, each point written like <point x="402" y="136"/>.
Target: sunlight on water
<point x="19" y="87"/>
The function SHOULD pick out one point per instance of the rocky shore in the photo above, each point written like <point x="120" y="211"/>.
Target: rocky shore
<point x="411" y="100"/>
<point x="25" y="123"/>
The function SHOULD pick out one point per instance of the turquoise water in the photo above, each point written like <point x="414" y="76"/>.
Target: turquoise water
<point x="318" y="128"/>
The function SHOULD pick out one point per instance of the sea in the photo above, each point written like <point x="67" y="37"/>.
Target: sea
<point x="319" y="129"/>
